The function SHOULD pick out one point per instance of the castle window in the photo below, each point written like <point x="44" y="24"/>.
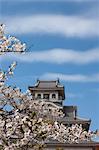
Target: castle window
<point x="46" y="96"/>
<point x="39" y="96"/>
<point x="53" y="96"/>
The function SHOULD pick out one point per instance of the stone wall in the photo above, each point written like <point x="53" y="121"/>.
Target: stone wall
<point x="82" y="146"/>
<point x="69" y="148"/>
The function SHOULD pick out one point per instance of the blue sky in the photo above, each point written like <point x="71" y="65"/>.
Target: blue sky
<point x="62" y="38"/>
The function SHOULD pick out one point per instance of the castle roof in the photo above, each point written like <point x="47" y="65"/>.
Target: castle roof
<point x="45" y="85"/>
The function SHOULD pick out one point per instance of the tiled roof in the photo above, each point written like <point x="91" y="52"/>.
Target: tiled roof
<point x="47" y="84"/>
<point x="73" y="120"/>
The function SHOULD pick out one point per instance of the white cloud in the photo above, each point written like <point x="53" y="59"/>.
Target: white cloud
<point x="69" y="26"/>
<point x="71" y="77"/>
<point x="57" y="56"/>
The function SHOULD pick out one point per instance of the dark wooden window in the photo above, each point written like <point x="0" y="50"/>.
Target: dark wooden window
<point x="46" y="96"/>
<point x="39" y="96"/>
<point x="53" y="96"/>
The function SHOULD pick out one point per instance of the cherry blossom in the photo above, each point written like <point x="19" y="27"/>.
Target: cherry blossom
<point x="30" y="123"/>
<point x="10" y="43"/>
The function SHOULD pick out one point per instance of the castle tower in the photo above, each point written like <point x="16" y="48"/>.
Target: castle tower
<point x="53" y="92"/>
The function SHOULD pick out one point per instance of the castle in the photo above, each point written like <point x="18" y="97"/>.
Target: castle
<point x="53" y="92"/>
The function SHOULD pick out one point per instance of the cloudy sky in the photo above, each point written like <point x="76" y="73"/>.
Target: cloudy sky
<point x="62" y="38"/>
